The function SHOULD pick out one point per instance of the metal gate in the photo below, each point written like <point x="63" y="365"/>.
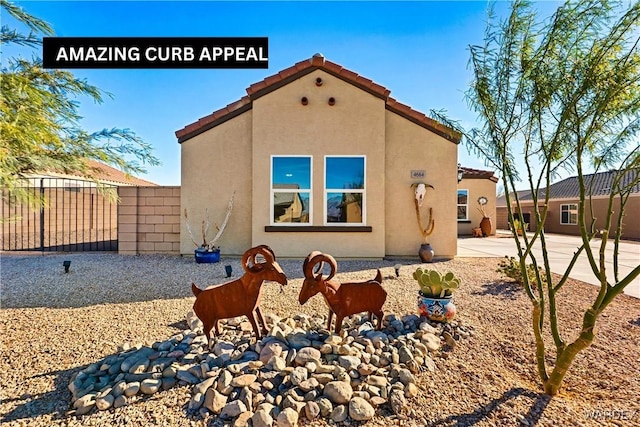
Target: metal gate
<point x="76" y="216"/>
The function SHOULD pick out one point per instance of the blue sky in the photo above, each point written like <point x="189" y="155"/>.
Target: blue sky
<point x="418" y="50"/>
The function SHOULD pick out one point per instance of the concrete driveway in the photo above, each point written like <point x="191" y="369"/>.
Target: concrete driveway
<point x="560" y="249"/>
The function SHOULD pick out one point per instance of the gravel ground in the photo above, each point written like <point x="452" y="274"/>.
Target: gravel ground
<point x="54" y="324"/>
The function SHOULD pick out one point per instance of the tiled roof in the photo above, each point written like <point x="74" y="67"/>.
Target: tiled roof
<point x="300" y="69"/>
<point x="598" y="184"/>
<point x="469" y="173"/>
<point x="502" y="200"/>
<point x="107" y="175"/>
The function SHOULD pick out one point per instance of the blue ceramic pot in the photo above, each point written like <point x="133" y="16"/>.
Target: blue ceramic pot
<point x="437" y="309"/>
<point x="204" y="256"/>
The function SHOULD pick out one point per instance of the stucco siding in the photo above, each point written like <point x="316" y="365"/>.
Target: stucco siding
<point x="478" y="188"/>
<point x="214" y="164"/>
<point x="355" y="125"/>
<point x="631" y="221"/>
<point x="411" y="147"/>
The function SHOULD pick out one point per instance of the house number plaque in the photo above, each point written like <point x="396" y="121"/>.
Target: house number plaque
<point x="418" y="174"/>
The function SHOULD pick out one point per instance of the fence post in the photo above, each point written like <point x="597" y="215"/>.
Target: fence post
<point x="42" y="214"/>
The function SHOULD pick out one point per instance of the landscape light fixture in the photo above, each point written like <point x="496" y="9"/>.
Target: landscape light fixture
<point x="66" y="265"/>
<point x="459" y="172"/>
<point x="228" y="270"/>
<point x="397" y="267"/>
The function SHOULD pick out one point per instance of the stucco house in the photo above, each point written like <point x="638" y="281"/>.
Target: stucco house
<point x="562" y="216"/>
<point x="475" y="185"/>
<point x="320" y="158"/>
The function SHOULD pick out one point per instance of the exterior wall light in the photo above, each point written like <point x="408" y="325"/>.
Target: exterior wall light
<point x="459" y="173"/>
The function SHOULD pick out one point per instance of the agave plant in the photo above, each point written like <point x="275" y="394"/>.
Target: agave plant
<point x="435" y="285"/>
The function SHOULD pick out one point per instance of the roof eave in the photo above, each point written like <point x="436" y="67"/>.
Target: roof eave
<point x="216" y="118"/>
<point x="301" y="69"/>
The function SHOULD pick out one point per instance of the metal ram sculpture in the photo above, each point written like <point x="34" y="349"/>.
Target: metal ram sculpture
<point x="241" y="296"/>
<point x="343" y="299"/>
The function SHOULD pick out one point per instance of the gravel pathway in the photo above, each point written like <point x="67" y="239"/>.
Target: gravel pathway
<point x="56" y="324"/>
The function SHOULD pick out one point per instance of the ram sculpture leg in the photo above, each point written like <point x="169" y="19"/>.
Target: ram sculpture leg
<point x="380" y="316"/>
<point x="261" y="321"/>
<point x="252" y="319"/>
<point x="330" y="319"/>
<point x="217" y="323"/>
<point x="338" y="323"/>
<point x="206" y="328"/>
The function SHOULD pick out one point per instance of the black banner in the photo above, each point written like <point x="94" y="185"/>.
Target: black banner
<point x="155" y="52"/>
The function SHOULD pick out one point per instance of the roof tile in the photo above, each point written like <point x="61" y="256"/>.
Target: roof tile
<point x="287" y="72"/>
<point x="332" y="66"/>
<point x="108" y="174"/>
<point x="598" y="184"/>
<point x="348" y="74"/>
<point x="302" y="65"/>
<point x="469" y="173"/>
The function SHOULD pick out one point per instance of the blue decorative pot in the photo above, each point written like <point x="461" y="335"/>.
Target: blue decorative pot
<point x="204" y="256"/>
<point x="437" y="309"/>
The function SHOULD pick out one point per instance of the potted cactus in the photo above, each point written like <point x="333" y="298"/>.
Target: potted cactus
<point x="435" y="298"/>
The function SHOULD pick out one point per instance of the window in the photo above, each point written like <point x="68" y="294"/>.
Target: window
<point x="569" y="214"/>
<point x="291" y="190"/>
<point x="463" y="205"/>
<point x="344" y="190"/>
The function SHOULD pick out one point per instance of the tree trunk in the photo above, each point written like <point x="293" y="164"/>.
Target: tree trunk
<point x="566" y="357"/>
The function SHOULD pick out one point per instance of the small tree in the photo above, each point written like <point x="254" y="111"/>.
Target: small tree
<point x="561" y="94"/>
<point x="39" y="119"/>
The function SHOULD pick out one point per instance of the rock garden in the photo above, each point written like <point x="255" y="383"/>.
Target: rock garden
<point x="298" y="370"/>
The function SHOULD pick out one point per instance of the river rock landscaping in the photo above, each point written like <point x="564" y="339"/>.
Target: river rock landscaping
<point x="299" y="365"/>
<point x="113" y="342"/>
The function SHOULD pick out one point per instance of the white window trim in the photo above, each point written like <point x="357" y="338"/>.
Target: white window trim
<point x="569" y="212"/>
<point x="273" y="191"/>
<point x="462" y="204"/>
<point x="342" y="190"/>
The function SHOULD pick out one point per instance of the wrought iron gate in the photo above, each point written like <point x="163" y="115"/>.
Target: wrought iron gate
<point x="76" y="216"/>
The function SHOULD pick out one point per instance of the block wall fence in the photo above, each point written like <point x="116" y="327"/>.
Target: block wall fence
<point x="149" y="220"/>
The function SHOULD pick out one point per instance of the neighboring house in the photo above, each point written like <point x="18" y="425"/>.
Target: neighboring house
<point x="474" y="185"/>
<point x="562" y="215"/>
<point x="105" y="175"/>
<point x="502" y="217"/>
<point x="320" y="159"/>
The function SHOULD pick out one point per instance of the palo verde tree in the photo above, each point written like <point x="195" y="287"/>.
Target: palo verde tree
<point x="39" y="119"/>
<point x="561" y="94"/>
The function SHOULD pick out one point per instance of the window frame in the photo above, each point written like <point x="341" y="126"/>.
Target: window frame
<point x="362" y="191"/>
<point x="462" y="204"/>
<point x="569" y="212"/>
<point x="273" y="191"/>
